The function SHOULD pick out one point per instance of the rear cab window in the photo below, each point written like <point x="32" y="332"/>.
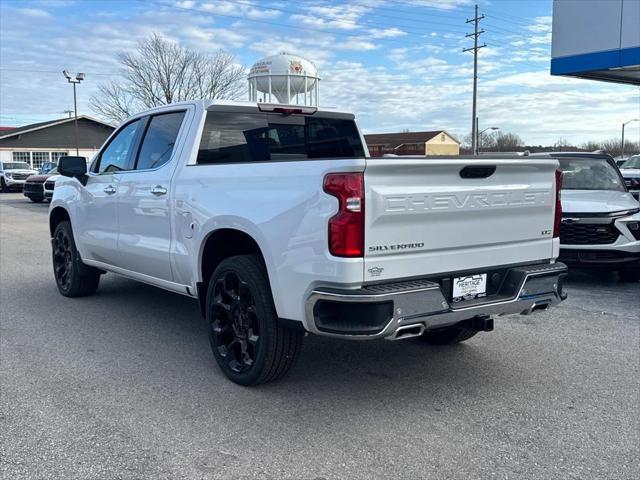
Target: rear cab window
<point x="257" y="137"/>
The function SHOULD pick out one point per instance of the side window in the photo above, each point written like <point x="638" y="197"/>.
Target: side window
<point x="115" y="157"/>
<point x="331" y="137"/>
<point x="159" y="140"/>
<point x="234" y="137"/>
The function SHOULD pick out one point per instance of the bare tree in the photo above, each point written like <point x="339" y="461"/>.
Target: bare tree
<point x="507" y="142"/>
<point x="160" y="72"/>
<point x="590" y="146"/>
<point x="562" y="144"/>
<point x="487" y="141"/>
<point x="612" y="146"/>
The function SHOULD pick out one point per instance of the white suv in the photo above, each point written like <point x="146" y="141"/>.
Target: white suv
<point x="14" y="175"/>
<point x="600" y="218"/>
<point x="631" y="172"/>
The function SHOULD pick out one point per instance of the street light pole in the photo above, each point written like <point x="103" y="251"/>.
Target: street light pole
<point x="78" y="78"/>
<point x="623" y="125"/>
<point x="75" y="119"/>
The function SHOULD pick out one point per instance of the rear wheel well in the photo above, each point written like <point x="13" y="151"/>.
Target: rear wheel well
<point x="56" y="216"/>
<point x="222" y="244"/>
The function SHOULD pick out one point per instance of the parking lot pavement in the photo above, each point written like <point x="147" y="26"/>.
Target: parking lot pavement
<point x="123" y="385"/>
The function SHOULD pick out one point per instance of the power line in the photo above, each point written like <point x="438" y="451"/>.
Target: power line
<point x="57" y="72"/>
<point x="371" y="7"/>
<point x="506" y="31"/>
<point x="510" y="19"/>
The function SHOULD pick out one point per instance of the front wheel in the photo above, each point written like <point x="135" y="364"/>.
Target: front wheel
<point x="74" y="278"/>
<point x="247" y="342"/>
<point x="36" y="200"/>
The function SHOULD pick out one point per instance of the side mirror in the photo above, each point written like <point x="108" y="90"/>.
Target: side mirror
<point x="75" y="167"/>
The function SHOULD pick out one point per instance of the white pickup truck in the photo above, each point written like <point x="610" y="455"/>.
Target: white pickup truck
<point x="276" y="220"/>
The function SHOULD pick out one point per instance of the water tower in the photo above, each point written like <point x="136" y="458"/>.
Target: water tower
<point x="287" y="78"/>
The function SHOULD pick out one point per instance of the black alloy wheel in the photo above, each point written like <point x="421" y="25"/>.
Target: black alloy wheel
<point x="62" y="259"/>
<point x="248" y="342"/>
<point x="73" y="278"/>
<point x="235" y="330"/>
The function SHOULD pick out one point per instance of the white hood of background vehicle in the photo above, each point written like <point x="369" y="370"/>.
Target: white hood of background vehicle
<point x="596" y="201"/>
<point x="20" y="170"/>
<point x="630" y="172"/>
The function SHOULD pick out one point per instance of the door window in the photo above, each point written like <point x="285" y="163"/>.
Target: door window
<point x="159" y="140"/>
<point x="115" y="157"/>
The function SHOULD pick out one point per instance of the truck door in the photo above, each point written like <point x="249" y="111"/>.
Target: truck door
<point x="144" y="201"/>
<point x="97" y="217"/>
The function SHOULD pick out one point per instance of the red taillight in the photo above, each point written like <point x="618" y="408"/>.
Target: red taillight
<point x="346" y="228"/>
<point x="558" y="215"/>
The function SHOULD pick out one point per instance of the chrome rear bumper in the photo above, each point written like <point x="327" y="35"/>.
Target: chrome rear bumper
<point x="407" y="309"/>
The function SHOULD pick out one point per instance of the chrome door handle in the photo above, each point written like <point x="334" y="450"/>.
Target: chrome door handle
<point x="159" y="190"/>
<point x="110" y="190"/>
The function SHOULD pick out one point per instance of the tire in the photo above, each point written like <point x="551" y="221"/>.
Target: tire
<point x="36" y="200"/>
<point x="448" y="336"/>
<point x="247" y="342"/>
<point x="630" y="274"/>
<point x="73" y="278"/>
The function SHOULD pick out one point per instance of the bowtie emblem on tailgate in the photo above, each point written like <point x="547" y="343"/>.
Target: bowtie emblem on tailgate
<point x="375" y="271"/>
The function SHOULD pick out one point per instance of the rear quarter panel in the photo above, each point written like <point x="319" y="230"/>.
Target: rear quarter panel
<point x="282" y="206"/>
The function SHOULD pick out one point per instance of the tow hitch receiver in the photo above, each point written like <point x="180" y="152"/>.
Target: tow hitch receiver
<point x="482" y="323"/>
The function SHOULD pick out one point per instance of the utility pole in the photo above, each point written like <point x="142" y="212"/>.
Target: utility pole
<point x="69" y="112"/>
<point x="476" y="33"/>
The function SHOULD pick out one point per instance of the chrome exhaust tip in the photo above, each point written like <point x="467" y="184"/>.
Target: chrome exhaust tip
<point x="407" y="331"/>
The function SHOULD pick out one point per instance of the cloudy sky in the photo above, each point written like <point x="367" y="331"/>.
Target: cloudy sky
<point x="398" y="64"/>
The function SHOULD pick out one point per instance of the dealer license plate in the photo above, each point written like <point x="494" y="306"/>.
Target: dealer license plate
<point x="469" y="287"/>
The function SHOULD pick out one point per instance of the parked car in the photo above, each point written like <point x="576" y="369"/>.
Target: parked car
<point x="50" y="184"/>
<point x="631" y="172"/>
<point x="47" y="167"/>
<point x="14" y="174"/>
<point x="274" y="218"/>
<point x="35" y="187"/>
<point x="600" y="218"/>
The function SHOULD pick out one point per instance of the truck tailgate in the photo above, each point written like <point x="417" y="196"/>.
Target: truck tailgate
<point x="422" y="217"/>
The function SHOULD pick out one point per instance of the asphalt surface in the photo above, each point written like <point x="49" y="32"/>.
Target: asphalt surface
<point x="122" y="385"/>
